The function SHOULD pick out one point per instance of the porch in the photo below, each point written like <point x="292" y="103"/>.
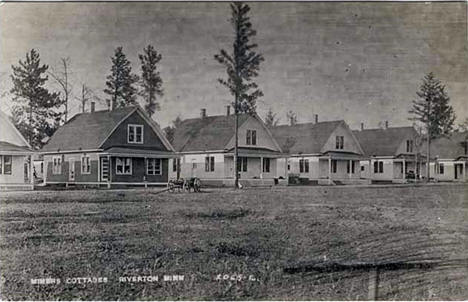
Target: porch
<point x="340" y="168"/>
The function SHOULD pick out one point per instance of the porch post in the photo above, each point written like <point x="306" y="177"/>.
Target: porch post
<point x="463" y="171"/>
<point x="261" y="167"/>
<point x="350" y="169"/>
<point x="371" y="169"/>
<point x="145" y="169"/>
<point x="404" y="169"/>
<point x="109" y="178"/>
<point x="31" y="170"/>
<point x="329" y="170"/>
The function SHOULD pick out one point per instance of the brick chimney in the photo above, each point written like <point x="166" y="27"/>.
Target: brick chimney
<point x="93" y="106"/>
<point x="316" y="118"/>
<point x="108" y="102"/>
<point x="228" y="110"/>
<point x="203" y="113"/>
<point x="362" y="126"/>
<point x="386" y="124"/>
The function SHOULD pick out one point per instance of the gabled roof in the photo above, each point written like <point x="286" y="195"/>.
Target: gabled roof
<point x="88" y="131"/>
<point x="383" y="142"/>
<point x="307" y="138"/>
<point x="449" y="147"/>
<point x="10" y="138"/>
<point x="207" y="133"/>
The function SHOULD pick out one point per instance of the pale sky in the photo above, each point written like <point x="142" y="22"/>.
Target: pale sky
<point x="361" y="62"/>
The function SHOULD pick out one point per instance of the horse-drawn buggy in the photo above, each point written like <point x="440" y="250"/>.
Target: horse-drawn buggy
<point x="184" y="184"/>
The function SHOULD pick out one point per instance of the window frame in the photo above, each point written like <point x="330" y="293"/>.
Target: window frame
<point x="88" y="164"/>
<point x="441" y="168"/>
<point x="339" y="142"/>
<point x="57" y="171"/>
<point x="133" y="128"/>
<point x="334" y="166"/>
<point x="409" y="146"/>
<point x="251" y="137"/>
<point x="266" y="164"/>
<point x="209" y="163"/>
<point x="154" y="170"/>
<point x="4" y="165"/>
<point x="123" y="160"/>
<point x="242" y="164"/>
<point x="304" y="165"/>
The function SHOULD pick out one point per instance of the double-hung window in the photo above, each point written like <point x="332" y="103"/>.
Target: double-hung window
<point x="135" y="134"/>
<point x="440" y="168"/>
<point x="175" y="164"/>
<point x="123" y="166"/>
<point x="5" y="164"/>
<point x="251" y="138"/>
<point x="85" y="164"/>
<point x="378" y="167"/>
<point x="242" y="164"/>
<point x="57" y="165"/>
<point x="350" y="167"/>
<point x="209" y="164"/>
<point x="340" y="142"/>
<point x="333" y="165"/>
<point x="153" y="166"/>
<point x="409" y="146"/>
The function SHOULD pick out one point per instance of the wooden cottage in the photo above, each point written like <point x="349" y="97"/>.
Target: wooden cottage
<point x="120" y="147"/>
<point x="16" y="169"/>
<point x="206" y="147"/>
<point x="449" y="156"/>
<point x="393" y="154"/>
<point x="321" y="152"/>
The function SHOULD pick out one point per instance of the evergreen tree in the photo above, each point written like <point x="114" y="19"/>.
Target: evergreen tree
<point x="270" y="119"/>
<point x="432" y="110"/>
<point x="169" y="131"/>
<point x="151" y="82"/>
<point x="35" y="112"/>
<point x="243" y="64"/>
<point x="120" y="83"/>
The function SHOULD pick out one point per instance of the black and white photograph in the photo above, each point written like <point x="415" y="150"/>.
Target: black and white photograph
<point x="247" y="151"/>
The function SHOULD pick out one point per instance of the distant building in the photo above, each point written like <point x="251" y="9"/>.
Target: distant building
<point x="393" y="154"/>
<point x="449" y="156"/>
<point x="16" y="169"/>
<point x="321" y="152"/>
<point x="206" y="147"/>
<point x="108" y="148"/>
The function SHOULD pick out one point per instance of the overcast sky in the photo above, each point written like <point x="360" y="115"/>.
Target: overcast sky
<point x="361" y="62"/>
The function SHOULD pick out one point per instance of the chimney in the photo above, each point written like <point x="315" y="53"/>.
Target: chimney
<point x="291" y="120"/>
<point x="108" y="102"/>
<point x="203" y="113"/>
<point x="362" y="126"/>
<point x="228" y="110"/>
<point x="386" y="124"/>
<point x="316" y="118"/>
<point x="93" y="106"/>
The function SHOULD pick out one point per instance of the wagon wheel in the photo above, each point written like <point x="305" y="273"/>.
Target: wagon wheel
<point x="186" y="186"/>
<point x="170" y="186"/>
<point x="196" y="185"/>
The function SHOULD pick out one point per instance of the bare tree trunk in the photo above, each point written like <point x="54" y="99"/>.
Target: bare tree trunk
<point x="236" y="143"/>
<point x="30" y="123"/>
<point x="428" y="154"/>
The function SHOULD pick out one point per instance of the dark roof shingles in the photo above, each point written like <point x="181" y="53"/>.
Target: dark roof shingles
<point x="383" y="142"/>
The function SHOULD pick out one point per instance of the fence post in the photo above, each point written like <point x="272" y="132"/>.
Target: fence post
<point x="373" y="284"/>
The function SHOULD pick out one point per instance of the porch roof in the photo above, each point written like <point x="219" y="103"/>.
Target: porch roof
<point x="138" y="152"/>
<point x="342" y="155"/>
<point x="256" y="152"/>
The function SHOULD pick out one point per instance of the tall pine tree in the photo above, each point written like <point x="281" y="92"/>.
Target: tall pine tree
<point x="36" y="110"/>
<point x="242" y="65"/>
<point x="150" y="81"/>
<point x="120" y="83"/>
<point x="432" y="109"/>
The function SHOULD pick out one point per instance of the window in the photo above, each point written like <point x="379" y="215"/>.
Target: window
<point x="378" y="167"/>
<point x="339" y="142"/>
<point x="85" y="165"/>
<point x="209" y="164"/>
<point x="57" y="165"/>
<point x="289" y="165"/>
<point x="333" y="165"/>
<point x="135" y="134"/>
<point x="266" y="165"/>
<point x="242" y="164"/>
<point x="441" y="168"/>
<point x="153" y="166"/>
<point x="350" y="167"/>
<point x="123" y="166"/>
<point x="363" y="168"/>
<point x="5" y="163"/>
<point x="304" y="166"/>
<point x="409" y="146"/>
<point x="42" y="167"/>
<point x="251" y="138"/>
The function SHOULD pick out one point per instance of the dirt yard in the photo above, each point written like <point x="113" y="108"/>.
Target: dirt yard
<point x="253" y="235"/>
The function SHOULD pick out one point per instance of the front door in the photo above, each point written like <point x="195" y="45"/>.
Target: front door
<point x="71" y="170"/>
<point x="458" y="171"/>
<point x="104" y="169"/>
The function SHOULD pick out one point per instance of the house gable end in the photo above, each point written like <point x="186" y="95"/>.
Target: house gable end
<point x="350" y="142"/>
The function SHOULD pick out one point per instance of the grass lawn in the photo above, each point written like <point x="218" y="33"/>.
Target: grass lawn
<point x="253" y="232"/>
